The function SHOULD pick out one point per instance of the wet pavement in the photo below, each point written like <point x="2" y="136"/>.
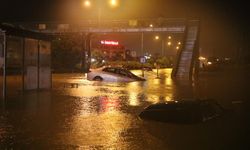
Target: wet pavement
<point x="104" y="115"/>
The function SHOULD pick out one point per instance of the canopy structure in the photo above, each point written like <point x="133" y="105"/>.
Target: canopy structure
<point x="24" y="61"/>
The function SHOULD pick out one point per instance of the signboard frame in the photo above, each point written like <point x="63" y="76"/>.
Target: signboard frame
<point x="143" y="60"/>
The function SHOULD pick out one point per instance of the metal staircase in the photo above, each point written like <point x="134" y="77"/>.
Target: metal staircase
<point x="187" y="57"/>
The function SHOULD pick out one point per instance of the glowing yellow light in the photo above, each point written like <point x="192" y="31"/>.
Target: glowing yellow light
<point x="179" y="43"/>
<point x="209" y="63"/>
<point x="153" y="98"/>
<point x="113" y="3"/>
<point x="87" y="3"/>
<point x="133" y="100"/>
<point x="202" y="58"/>
<point x="177" y="47"/>
<point x="157" y="37"/>
<point x="134" y="89"/>
<point x="169" y="43"/>
<point x="151" y="25"/>
<point x="169" y="82"/>
<point x="169" y="37"/>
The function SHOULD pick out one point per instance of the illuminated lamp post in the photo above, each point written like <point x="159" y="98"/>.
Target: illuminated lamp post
<point x="87" y="3"/>
<point x="112" y="4"/>
<point x="162" y="43"/>
<point x="169" y="43"/>
<point x="157" y="37"/>
<point x="87" y="45"/>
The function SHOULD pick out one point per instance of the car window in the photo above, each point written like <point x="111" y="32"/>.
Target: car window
<point x="111" y="70"/>
<point x="119" y="71"/>
<point x="122" y="72"/>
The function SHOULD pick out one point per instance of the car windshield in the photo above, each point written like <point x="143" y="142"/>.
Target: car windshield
<point x="210" y="109"/>
<point x="126" y="73"/>
<point x="120" y="71"/>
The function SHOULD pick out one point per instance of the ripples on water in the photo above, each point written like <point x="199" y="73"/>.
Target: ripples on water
<point x="103" y="115"/>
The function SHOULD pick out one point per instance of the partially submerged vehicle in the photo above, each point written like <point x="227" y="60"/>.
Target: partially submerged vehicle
<point x="184" y="111"/>
<point x="113" y="74"/>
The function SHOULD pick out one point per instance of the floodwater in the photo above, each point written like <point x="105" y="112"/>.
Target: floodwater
<point x="104" y="115"/>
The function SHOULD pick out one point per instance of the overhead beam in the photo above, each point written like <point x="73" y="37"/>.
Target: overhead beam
<point x="179" y="29"/>
<point x="169" y="25"/>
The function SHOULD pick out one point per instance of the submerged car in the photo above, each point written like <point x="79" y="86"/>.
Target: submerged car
<point x="113" y="74"/>
<point x="185" y="111"/>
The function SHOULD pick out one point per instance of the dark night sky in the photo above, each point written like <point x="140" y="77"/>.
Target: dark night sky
<point x="223" y="21"/>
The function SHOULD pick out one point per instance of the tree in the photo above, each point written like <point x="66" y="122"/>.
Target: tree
<point x="66" y="53"/>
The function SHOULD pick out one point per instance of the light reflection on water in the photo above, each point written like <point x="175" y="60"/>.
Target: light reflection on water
<point x="153" y="90"/>
<point x="133" y="100"/>
<point x="107" y="111"/>
<point x="98" y="115"/>
<point x="102" y="129"/>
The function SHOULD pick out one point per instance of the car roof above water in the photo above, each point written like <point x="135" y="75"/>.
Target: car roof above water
<point x="114" y="68"/>
<point x="182" y="103"/>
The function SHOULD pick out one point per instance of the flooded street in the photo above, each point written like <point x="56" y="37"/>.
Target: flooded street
<point x="104" y="115"/>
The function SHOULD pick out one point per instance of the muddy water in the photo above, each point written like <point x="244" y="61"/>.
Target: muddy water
<point x="104" y="115"/>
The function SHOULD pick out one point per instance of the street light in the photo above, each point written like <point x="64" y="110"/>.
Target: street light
<point x="169" y="43"/>
<point x="157" y="37"/>
<point x="162" y="43"/>
<point x="151" y="25"/>
<point x="169" y="37"/>
<point x="113" y="3"/>
<point x="87" y="3"/>
<point x="179" y="43"/>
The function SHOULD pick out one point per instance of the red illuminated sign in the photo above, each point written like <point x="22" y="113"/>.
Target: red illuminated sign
<point x="110" y="42"/>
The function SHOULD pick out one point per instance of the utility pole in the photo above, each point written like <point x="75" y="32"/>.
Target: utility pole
<point x="162" y="46"/>
<point x="142" y="50"/>
<point x="86" y="60"/>
<point x="142" y="43"/>
<point x="99" y="13"/>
